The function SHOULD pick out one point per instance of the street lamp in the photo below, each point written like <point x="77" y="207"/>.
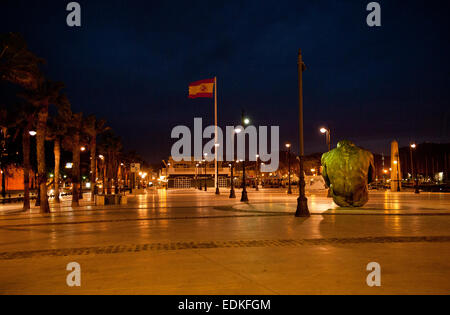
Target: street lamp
<point x="257" y="172"/>
<point x="32" y="133"/>
<point x="232" y="191"/>
<point x="196" y="174"/>
<point x="206" y="186"/>
<point x="327" y="132"/>
<point x="244" y="197"/>
<point x="216" y="176"/>
<point x="199" y="181"/>
<point x="288" y="146"/>
<point x="397" y="156"/>
<point x="412" y="147"/>
<point x="302" y="201"/>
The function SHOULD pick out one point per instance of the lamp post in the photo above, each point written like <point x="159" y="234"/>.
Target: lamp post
<point x="206" y="164"/>
<point x="302" y="201"/>
<point x="232" y="192"/>
<point x="257" y="172"/>
<point x="216" y="176"/>
<point x="244" y="198"/>
<point x="288" y="145"/>
<point x="396" y="162"/>
<point x="199" y="181"/>
<point x="327" y="132"/>
<point x="167" y="176"/>
<point x="196" y="174"/>
<point x="414" y="172"/>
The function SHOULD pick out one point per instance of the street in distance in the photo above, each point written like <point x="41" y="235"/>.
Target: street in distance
<point x="225" y="305"/>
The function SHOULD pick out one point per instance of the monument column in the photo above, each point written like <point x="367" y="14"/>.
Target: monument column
<point x="396" y="175"/>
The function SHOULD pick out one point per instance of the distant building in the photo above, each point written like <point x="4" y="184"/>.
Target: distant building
<point x="190" y="174"/>
<point x="14" y="179"/>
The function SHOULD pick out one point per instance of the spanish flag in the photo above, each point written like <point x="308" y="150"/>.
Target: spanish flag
<point x="202" y="88"/>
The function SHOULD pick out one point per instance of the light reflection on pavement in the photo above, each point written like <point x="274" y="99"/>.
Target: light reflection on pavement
<point x="203" y="228"/>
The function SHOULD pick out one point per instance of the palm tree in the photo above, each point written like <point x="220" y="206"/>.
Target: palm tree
<point x="21" y="117"/>
<point x="3" y="153"/>
<point x="26" y="165"/>
<point x="94" y="127"/>
<point x="47" y="93"/>
<point x="129" y="158"/>
<point x="18" y="65"/>
<point x="73" y="142"/>
<point x="57" y="129"/>
<point x="27" y="116"/>
<point x="111" y="146"/>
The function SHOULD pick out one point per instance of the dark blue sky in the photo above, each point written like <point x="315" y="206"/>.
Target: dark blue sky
<point x="131" y="63"/>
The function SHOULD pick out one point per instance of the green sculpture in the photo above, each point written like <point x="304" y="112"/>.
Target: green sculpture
<point x="348" y="170"/>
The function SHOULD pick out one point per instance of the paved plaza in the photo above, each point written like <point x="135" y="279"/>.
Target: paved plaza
<point x="194" y="242"/>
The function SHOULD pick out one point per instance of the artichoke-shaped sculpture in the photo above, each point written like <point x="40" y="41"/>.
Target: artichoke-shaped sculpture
<point x="348" y="170"/>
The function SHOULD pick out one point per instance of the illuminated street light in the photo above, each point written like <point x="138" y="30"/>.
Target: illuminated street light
<point x="257" y="172"/>
<point x="206" y="164"/>
<point x="327" y="132"/>
<point x="232" y="190"/>
<point x="244" y="196"/>
<point x="288" y="145"/>
<point x="33" y="133"/>
<point x="302" y="201"/>
<point x="396" y="162"/>
<point x="413" y="146"/>
<point x="83" y="149"/>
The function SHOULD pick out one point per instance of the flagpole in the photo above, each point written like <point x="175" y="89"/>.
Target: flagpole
<point x="216" y="149"/>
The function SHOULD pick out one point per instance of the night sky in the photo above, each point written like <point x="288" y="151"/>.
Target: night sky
<point x="131" y="63"/>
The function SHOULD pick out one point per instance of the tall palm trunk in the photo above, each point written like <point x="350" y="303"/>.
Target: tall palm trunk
<point x="3" y="182"/>
<point x="76" y="169"/>
<point x="109" y="173"/>
<point x="93" y="146"/>
<point x="57" y="152"/>
<point x="2" y="164"/>
<point x="40" y="144"/>
<point x="26" y="168"/>
<point x="104" y="178"/>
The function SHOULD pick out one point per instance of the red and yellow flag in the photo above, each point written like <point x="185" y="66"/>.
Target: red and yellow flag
<point x="202" y="88"/>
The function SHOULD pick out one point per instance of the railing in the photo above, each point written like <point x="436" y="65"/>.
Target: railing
<point x="200" y="170"/>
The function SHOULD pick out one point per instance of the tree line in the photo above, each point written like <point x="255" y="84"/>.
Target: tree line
<point x="33" y="105"/>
